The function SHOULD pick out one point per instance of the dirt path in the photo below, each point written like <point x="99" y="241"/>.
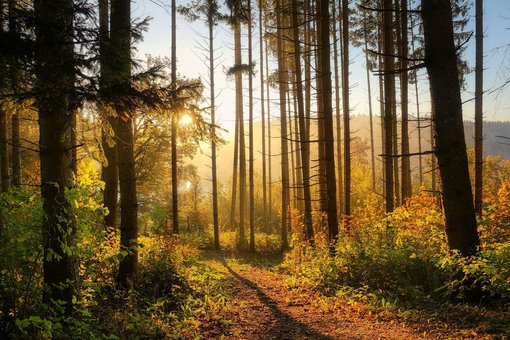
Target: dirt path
<point x="263" y="308"/>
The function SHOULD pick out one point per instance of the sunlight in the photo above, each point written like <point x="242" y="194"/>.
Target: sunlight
<point x="185" y="120"/>
<point x="188" y="185"/>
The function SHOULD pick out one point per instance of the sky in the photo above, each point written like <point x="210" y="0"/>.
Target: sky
<point x="192" y="63"/>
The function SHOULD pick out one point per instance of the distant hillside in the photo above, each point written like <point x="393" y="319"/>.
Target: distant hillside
<point x="360" y="129"/>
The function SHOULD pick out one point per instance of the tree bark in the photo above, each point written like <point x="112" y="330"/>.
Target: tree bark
<point x="329" y="139"/>
<point x="173" y="139"/>
<point x="407" y="189"/>
<point x="389" y="85"/>
<point x="216" y="226"/>
<point x="110" y="172"/>
<point x="305" y="145"/>
<point x="55" y="81"/>
<point x="479" y="109"/>
<point x="441" y="62"/>
<point x="282" y="85"/>
<point x="347" y="115"/>
<point x="250" y="134"/>
<point x="121" y="71"/>
<point x="263" y="117"/>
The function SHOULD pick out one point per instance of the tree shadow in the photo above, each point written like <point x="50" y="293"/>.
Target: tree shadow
<point x="286" y="326"/>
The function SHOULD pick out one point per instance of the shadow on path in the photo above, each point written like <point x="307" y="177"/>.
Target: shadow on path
<point x="286" y="326"/>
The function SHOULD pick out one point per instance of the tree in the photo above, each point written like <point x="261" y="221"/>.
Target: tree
<point x="110" y="171"/>
<point x="209" y="9"/>
<point x="173" y="142"/>
<point x="479" y="108"/>
<point x="282" y="86"/>
<point x="389" y="86"/>
<point x="404" y="95"/>
<point x="305" y="144"/>
<point x="329" y="150"/>
<point x="441" y="62"/>
<point x="120" y="40"/>
<point x="250" y="131"/>
<point x="346" y="109"/>
<point x="55" y="81"/>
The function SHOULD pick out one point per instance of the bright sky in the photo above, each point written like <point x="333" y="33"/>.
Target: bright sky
<point x="191" y="62"/>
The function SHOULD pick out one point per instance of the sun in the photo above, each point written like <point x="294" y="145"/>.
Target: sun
<point x="185" y="120"/>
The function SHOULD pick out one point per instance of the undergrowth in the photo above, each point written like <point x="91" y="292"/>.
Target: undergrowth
<point x="401" y="263"/>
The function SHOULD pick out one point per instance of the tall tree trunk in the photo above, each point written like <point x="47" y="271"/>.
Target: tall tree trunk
<point x="242" y="148"/>
<point x="370" y="113"/>
<point x="55" y="80"/>
<point x="418" y="114"/>
<point x="347" y="115"/>
<point x="15" y="136"/>
<point x="407" y="189"/>
<point x="441" y="62"/>
<point x="269" y="154"/>
<point x="304" y="145"/>
<point x="292" y="167"/>
<point x="479" y="109"/>
<point x="174" y="122"/>
<point x="120" y="39"/>
<point x="233" y="197"/>
<point x="329" y="149"/>
<point x="321" y="176"/>
<point x="250" y="133"/>
<point x="389" y="86"/>
<point x="282" y="85"/>
<point x="263" y="117"/>
<point x="216" y="226"/>
<point x="110" y="172"/>
<point x="340" y="192"/>
<point x="382" y="106"/>
<point x="396" y="64"/>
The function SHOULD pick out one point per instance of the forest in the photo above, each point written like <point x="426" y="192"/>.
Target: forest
<point x="139" y="201"/>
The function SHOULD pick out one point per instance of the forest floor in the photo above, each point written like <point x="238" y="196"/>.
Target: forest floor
<point x="263" y="307"/>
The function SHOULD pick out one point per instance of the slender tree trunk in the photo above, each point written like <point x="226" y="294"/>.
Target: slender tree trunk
<point x="15" y="136"/>
<point x="329" y="150"/>
<point x="308" y="69"/>
<point x="320" y="115"/>
<point x="441" y="61"/>
<point x="389" y="85"/>
<point x="370" y="113"/>
<point x="174" y="122"/>
<point x="250" y="134"/>
<point x="55" y="80"/>
<point x="263" y="117"/>
<point x="347" y="115"/>
<point x="418" y="114"/>
<point x="292" y="168"/>
<point x="110" y="172"/>
<point x="305" y="145"/>
<point x="282" y="85"/>
<point x="407" y="189"/>
<point x="233" y="201"/>
<point x="214" y="176"/>
<point x="121" y="72"/>
<point x="269" y="155"/>
<point x="297" y="148"/>
<point x="242" y="148"/>
<point x="340" y="174"/>
<point x="479" y="109"/>
<point x="382" y="106"/>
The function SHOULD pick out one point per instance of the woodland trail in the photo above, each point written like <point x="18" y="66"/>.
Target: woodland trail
<point x="264" y="308"/>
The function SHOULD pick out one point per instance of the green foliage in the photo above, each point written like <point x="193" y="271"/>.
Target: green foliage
<point x="404" y="258"/>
